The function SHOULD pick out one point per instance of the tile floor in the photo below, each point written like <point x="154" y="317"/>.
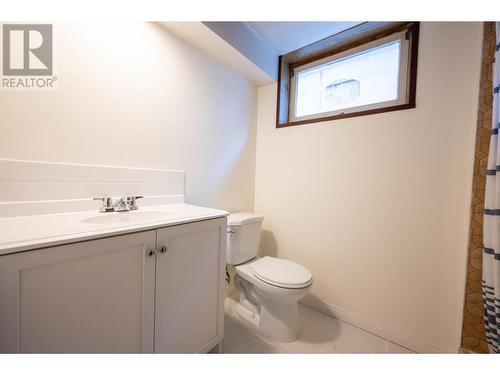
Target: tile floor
<point x="320" y="334"/>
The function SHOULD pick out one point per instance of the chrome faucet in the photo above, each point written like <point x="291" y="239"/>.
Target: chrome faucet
<point x="121" y="205"/>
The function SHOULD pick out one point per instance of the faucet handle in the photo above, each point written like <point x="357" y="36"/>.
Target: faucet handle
<point x="107" y="204"/>
<point x="132" y="202"/>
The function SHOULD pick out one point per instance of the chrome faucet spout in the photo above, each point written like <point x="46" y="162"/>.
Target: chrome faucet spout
<point x="121" y="205"/>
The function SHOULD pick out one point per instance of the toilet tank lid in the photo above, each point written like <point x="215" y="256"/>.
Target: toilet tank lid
<point x="241" y="218"/>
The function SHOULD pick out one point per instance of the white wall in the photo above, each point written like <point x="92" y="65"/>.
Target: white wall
<point x="133" y="95"/>
<point x="377" y="206"/>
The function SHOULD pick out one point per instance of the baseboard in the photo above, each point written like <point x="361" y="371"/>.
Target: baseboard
<point x="368" y="325"/>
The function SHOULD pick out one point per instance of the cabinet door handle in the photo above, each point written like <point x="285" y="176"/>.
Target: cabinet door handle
<point x="151" y="252"/>
<point x="163" y="250"/>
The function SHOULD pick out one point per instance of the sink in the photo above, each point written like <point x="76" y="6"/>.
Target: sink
<point x="128" y="217"/>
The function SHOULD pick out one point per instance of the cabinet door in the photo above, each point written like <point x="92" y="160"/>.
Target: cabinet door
<point x="189" y="314"/>
<point x="89" y="297"/>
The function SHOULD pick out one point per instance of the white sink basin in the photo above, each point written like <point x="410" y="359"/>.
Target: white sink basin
<point x="128" y="217"/>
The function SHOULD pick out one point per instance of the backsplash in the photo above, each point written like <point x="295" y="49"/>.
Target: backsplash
<point x="32" y="187"/>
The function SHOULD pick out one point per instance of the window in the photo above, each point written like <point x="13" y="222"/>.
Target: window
<point x="366" y="77"/>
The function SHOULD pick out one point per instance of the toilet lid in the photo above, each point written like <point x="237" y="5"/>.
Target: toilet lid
<point x="282" y="273"/>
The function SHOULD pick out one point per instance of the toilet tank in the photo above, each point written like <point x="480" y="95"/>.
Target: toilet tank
<point x="243" y="236"/>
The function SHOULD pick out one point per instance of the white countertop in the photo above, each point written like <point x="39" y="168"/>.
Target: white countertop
<point x="23" y="233"/>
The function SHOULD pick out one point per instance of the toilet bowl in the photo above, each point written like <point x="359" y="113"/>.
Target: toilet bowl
<point x="267" y="302"/>
<point x="269" y="288"/>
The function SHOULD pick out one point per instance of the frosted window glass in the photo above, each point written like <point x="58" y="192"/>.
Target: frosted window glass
<point x="362" y="79"/>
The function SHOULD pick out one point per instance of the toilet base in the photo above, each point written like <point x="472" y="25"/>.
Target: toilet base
<point x="277" y="321"/>
<point x="280" y="321"/>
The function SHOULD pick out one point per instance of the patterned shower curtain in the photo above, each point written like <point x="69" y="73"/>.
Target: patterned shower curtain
<point x="491" y="253"/>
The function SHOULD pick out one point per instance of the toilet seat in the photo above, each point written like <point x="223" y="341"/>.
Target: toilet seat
<point x="282" y="273"/>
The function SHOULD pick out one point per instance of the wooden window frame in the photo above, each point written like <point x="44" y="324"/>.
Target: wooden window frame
<point x="349" y="39"/>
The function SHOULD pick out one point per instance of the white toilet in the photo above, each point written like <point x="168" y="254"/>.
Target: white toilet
<point x="270" y="288"/>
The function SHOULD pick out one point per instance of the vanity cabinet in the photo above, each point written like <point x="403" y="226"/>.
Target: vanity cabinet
<point x="158" y="291"/>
